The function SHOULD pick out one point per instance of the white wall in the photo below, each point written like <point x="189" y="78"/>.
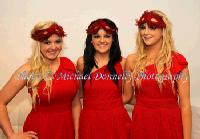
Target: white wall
<point x="17" y="18"/>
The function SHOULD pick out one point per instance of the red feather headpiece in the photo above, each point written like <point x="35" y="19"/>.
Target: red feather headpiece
<point x="93" y="29"/>
<point x="152" y="19"/>
<point x="41" y="35"/>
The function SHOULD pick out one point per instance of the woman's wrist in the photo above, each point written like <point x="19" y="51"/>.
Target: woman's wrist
<point x="10" y="134"/>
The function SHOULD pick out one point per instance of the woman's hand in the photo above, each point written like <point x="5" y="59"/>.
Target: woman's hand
<point x="24" y="135"/>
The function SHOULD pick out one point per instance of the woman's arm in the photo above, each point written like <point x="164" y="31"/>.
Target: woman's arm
<point x="128" y="87"/>
<point x="76" y="109"/>
<point x="185" y="106"/>
<point x="77" y="100"/>
<point x="12" y="87"/>
<point x="80" y="67"/>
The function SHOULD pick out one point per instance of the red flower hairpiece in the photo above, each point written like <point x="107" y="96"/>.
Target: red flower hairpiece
<point x="41" y="35"/>
<point x="152" y="19"/>
<point x="98" y="25"/>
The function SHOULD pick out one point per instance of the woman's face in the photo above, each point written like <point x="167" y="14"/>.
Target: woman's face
<point x="102" y="41"/>
<point x="150" y="34"/>
<point x="51" y="47"/>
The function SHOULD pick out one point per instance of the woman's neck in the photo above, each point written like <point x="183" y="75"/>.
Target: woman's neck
<point x="54" y="64"/>
<point x="101" y="59"/>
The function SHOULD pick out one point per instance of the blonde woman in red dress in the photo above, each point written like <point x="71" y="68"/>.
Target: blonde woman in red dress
<point x="56" y="106"/>
<point x="160" y="81"/>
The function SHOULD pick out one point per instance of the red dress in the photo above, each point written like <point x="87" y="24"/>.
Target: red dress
<point x="53" y="120"/>
<point x="156" y="114"/>
<point x="103" y="115"/>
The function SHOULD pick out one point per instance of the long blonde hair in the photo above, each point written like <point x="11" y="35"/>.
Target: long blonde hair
<point x="164" y="56"/>
<point x="40" y="70"/>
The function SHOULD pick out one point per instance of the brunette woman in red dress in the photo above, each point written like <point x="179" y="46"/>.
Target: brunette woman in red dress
<point x="160" y="79"/>
<point x="103" y="115"/>
<point x="56" y="107"/>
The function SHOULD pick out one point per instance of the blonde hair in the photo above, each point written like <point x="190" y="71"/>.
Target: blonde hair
<point x="40" y="70"/>
<point x="164" y="56"/>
